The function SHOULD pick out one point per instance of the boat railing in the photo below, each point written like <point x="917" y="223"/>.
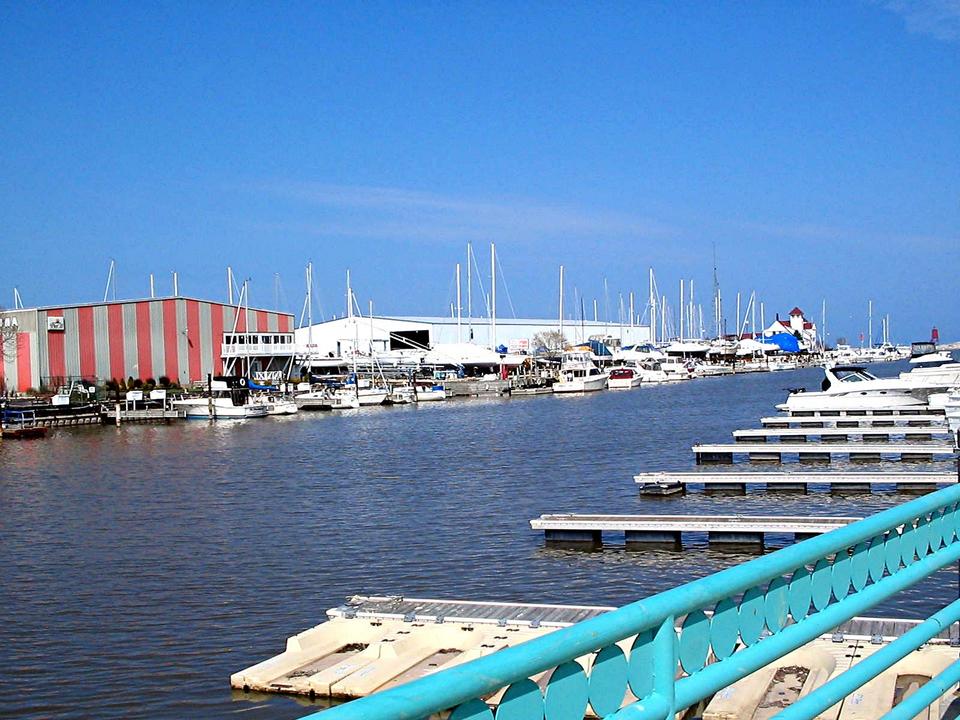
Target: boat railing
<point x="732" y="623"/>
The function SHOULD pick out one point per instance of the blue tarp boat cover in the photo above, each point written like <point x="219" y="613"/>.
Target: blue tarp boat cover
<point x="785" y="341"/>
<point x="254" y="386"/>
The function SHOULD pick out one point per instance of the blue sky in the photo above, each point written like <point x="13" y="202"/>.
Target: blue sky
<point x="817" y="145"/>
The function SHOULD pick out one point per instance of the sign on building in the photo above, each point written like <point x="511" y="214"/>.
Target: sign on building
<point x="55" y="324"/>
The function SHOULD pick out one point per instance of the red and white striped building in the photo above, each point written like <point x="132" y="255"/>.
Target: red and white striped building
<point x="181" y="338"/>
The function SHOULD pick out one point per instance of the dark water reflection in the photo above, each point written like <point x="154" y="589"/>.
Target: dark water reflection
<point x="142" y="566"/>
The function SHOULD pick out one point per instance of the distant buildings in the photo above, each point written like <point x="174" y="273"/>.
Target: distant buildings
<point x="180" y="338"/>
<point x="797" y="325"/>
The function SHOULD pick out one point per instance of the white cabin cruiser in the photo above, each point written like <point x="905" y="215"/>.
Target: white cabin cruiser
<point x="624" y="378"/>
<point x="850" y="387"/>
<point x="579" y="374"/>
<point x="226" y="401"/>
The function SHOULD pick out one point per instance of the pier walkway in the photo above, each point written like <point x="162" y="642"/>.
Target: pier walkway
<point x="574" y="528"/>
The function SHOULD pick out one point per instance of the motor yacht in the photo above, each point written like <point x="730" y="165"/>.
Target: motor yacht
<point x="851" y="387"/>
<point x="578" y="373"/>
<point x="935" y="369"/>
<point x="227" y="399"/>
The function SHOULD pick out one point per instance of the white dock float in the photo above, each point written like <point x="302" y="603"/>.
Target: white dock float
<point x="852" y="421"/>
<point x="827" y="434"/>
<point x="576" y="528"/>
<point x="375" y="643"/>
<point x="725" y="452"/>
<point x="666" y="483"/>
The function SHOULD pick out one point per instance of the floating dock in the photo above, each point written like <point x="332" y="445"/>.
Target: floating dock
<point x="143" y="415"/>
<point x="669" y="529"/>
<point x="783" y="421"/>
<point x="375" y="643"/>
<point x="872" y="412"/>
<point x="667" y="483"/>
<point x="775" y="452"/>
<point x="838" y="434"/>
<point x="475" y="387"/>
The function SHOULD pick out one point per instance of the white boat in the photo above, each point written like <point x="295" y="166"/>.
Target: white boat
<point x="952" y="411"/>
<point x="578" y="374"/>
<point x="624" y="378"/>
<point x="651" y="372"/>
<point x="278" y="404"/>
<point x="403" y="395"/>
<point x="677" y="369"/>
<point x="345" y="399"/>
<point x="850" y="387"/>
<point x="431" y="394"/>
<point x="315" y="399"/>
<point x="933" y="370"/>
<point x="224" y="403"/>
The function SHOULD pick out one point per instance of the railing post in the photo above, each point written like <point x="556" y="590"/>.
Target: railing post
<point x="665" y="664"/>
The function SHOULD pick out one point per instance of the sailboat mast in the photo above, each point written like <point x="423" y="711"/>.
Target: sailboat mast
<point x="459" y="319"/>
<point x="870" y="323"/>
<point x="469" y="292"/>
<point x="561" y="301"/>
<point x="493" y="297"/>
<point x="652" y="299"/>
<point x="681" y="309"/>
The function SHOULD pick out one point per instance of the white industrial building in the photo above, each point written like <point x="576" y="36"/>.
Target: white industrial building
<point x="340" y="337"/>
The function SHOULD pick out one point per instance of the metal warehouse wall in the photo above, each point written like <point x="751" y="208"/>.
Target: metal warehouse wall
<point x="177" y="337"/>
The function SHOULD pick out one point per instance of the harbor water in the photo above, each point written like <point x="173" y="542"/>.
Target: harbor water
<point x="142" y="565"/>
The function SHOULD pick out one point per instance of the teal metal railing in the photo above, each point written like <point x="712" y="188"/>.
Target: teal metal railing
<point x="761" y="610"/>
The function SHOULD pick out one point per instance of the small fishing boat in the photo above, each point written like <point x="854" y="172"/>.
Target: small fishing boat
<point x="624" y="378"/>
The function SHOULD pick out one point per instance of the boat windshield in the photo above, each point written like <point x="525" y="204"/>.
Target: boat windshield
<point x="854" y="375"/>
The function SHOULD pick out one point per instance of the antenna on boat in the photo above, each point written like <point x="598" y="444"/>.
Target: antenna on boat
<point x="152" y="289"/>
<point x="229" y="284"/>
<point x="176" y="284"/>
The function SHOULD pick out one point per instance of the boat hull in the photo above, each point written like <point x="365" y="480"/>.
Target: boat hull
<point x="581" y="385"/>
